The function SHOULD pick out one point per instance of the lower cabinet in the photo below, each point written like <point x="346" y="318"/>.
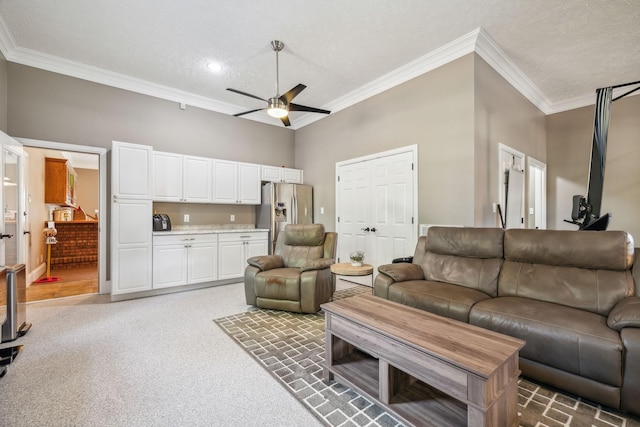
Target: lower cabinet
<point x="184" y="259"/>
<point x="235" y="248"/>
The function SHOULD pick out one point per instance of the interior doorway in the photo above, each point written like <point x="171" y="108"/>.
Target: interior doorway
<point x="511" y="186"/>
<point x="536" y="194"/>
<point x="63" y="199"/>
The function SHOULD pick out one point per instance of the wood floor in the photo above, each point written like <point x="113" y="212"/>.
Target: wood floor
<point x="73" y="281"/>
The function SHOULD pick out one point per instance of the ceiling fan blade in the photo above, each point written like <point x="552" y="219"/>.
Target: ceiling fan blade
<point x="246" y="94"/>
<point x="288" y="96"/>
<point x="296" y="107"/>
<point x="285" y="121"/>
<point x="247" y="112"/>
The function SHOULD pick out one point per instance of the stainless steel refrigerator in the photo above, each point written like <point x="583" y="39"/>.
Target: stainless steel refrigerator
<point x="284" y="204"/>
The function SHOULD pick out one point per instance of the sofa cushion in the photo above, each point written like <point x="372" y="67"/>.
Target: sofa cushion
<point x="469" y="257"/>
<point x="565" y="338"/>
<point x="586" y="270"/>
<point x="279" y="283"/>
<point x="439" y="298"/>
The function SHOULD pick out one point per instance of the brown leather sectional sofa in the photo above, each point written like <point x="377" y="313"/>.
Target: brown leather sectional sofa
<point x="573" y="296"/>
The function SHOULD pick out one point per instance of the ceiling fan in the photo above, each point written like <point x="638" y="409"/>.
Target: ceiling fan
<point x="280" y="105"/>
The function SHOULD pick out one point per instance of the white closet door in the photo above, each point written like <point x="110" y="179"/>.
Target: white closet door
<point x="376" y="207"/>
<point x="392" y="209"/>
<point x="354" y="190"/>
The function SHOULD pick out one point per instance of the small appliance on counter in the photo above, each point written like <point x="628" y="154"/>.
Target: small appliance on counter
<point x="63" y="214"/>
<point x="161" y="222"/>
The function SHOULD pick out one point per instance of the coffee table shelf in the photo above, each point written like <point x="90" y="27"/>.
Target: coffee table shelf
<point x="425" y="369"/>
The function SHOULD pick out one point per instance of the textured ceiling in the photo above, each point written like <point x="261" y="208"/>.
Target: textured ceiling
<point x="563" y="49"/>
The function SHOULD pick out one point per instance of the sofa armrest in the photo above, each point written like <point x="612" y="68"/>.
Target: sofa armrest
<point x="625" y="314"/>
<point x="402" y="272"/>
<point x="266" y="262"/>
<point x="317" y="264"/>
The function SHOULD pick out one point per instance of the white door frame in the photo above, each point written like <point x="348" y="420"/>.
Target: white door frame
<point x="506" y="155"/>
<point x="413" y="149"/>
<point x="104" y="287"/>
<point x="539" y="192"/>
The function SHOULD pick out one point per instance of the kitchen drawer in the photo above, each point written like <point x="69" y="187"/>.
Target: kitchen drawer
<point x="244" y="236"/>
<point x="173" y="239"/>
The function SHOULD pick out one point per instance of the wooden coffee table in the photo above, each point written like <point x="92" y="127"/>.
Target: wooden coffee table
<point x="425" y="369"/>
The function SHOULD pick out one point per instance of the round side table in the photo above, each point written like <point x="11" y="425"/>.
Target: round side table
<point x="362" y="275"/>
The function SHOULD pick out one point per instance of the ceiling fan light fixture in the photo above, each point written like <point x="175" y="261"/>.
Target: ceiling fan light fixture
<point x="277" y="108"/>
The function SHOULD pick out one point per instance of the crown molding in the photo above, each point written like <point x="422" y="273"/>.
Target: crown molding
<point x="476" y="41"/>
<point x="441" y="56"/>
<point x="488" y="50"/>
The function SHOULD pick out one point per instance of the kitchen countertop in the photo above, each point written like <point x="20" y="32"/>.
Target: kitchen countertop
<point x="208" y="229"/>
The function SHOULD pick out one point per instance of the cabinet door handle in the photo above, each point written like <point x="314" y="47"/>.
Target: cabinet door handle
<point x="8" y="236"/>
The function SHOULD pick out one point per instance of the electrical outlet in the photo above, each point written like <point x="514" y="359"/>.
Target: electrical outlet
<point x="322" y="211"/>
<point x="232" y="218"/>
<point x="186" y="218"/>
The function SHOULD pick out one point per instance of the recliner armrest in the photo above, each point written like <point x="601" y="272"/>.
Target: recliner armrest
<point x="317" y="264"/>
<point x="402" y="272"/>
<point x="266" y="262"/>
<point x="625" y="314"/>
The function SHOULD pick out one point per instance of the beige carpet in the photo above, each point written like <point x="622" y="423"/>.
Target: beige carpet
<point x="291" y="347"/>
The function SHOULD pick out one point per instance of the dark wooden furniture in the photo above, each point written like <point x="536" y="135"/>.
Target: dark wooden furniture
<point x="59" y="182"/>
<point x="423" y="368"/>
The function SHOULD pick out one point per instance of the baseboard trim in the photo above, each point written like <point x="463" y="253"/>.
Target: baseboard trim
<point x="36" y="273"/>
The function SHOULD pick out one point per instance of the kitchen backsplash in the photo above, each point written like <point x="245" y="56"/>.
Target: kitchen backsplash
<point x="205" y="214"/>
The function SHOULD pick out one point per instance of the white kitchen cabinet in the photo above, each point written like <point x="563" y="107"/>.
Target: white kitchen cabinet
<point x="236" y="182"/>
<point x="167" y="177"/>
<point x="280" y="174"/>
<point x="131" y="246"/>
<point x="235" y="248"/>
<point x="131" y="207"/>
<point x="184" y="259"/>
<point x="196" y="179"/>
<point x="131" y="171"/>
<point x="181" y="178"/>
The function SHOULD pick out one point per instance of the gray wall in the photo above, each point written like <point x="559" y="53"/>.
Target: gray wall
<point x="456" y="114"/>
<point x="434" y="111"/>
<point x="52" y="107"/>
<point x="502" y="115"/>
<point x="569" y="152"/>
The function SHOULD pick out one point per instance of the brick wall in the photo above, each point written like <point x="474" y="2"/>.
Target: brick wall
<point x="77" y="244"/>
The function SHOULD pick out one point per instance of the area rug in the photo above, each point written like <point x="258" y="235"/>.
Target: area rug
<point x="291" y="347"/>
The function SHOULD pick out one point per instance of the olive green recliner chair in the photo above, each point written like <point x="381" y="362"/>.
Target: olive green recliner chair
<point x="297" y="276"/>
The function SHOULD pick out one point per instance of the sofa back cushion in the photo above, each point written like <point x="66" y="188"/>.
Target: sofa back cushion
<point x="299" y="243"/>
<point x="589" y="270"/>
<point x="469" y="257"/>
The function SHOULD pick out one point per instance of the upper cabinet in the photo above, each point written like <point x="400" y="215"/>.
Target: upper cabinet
<point x="132" y="165"/>
<point x="236" y="182"/>
<point x="281" y="174"/>
<point x="179" y="178"/>
<point x="60" y="182"/>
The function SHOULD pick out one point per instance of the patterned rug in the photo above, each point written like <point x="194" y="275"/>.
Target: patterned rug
<point x="291" y="347"/>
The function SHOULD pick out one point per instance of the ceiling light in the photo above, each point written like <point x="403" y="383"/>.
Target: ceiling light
<point x="277" y="108"/>
<point x="214" y="66"/>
